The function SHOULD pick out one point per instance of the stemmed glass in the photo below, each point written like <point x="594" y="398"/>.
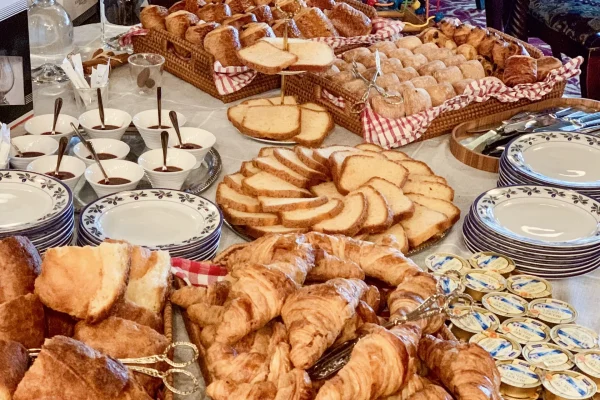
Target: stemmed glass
<point x="7" y="79"/>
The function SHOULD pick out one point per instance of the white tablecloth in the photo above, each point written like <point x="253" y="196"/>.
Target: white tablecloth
<point x="203" y="111"/>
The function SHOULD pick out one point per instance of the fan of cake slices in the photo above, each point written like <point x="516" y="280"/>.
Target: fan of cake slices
<point x="383" y="196"/>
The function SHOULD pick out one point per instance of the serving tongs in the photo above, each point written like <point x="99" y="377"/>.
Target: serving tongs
<point x="436" y="305"/>
<point x="134" y="365"/>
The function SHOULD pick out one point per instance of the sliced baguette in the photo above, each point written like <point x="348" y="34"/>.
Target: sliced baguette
<point x="290" y="159"/>
<point x="236" y="115"/>
<point x="401" y="205"/>
<point x="429" y="189"/>
<point x="396" y="155"/>
<point x="308" y="217"/>
<point x="358" y="169"/>
<point x="272" y="122"/>
<point x="266" y="58"/>
<point x="259" y="231"/>
<point x="313" y="106"/>
<point x="424" y="224"/>
<point x="312" y="56"/>
<point x="417" y="167"/>
<point x="427" y="178"/>
<point x="287" y="100"/>
<point x="271" y="204"/>
<point x="315" y="126"/>
<point x="326" y="189"/>
<point x="397" y="232"/>
<point x="236" y="217"/>
<point x="369" y="147"/>
<point x="350" y="220"/>
<point x="248" y="169"/>
<point x="379" y="214"/>
<point x="257" y="102"/>
<point x="234" y="181"/>
<point x="322" y="155"/>
<point x="443" y="206"/>
<point x="265" y="184"/>
<point x="228" y="197"/>
<point x="273" y="166"/>
<point x="306" y="156"/>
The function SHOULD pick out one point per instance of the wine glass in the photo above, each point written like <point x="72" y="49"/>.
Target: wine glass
<point x="7" y="79"/>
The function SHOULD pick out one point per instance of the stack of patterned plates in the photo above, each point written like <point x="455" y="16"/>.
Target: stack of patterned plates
<point x="567" y="160"/>
<point x="186" y="225"/>
<point x="36" y="206"/>
<point x="548" y="232"/>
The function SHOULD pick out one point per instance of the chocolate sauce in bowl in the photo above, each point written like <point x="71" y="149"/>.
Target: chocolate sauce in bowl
<point x="114" y="181"/>
<point x="102" y="156"/>
<point x="106" y="127"/>
<point x="170" y="168"/>
<point x="62" y="175"/>
<point x="50" y="133"/>
<point x="159" y="127"/>
<point x="188" y="146"/>
<point x="30" y="154"/>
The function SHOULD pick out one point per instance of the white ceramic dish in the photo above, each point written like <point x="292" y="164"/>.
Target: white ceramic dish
<point x="111" y="146"/>
<point x="148" y="118"/>
<point x="27" y="143"/>
<point x="91" y="118"/>
<point x="43" y="123"/>
<point x="70" y="164"/>
<point x="197" y="136"/>
<point x="168" y="180"/>
<point x="114" y="169"/>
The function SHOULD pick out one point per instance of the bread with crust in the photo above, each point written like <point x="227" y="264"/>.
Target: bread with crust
<point x="19" y="266"/>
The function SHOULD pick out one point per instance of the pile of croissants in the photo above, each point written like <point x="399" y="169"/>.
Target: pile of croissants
<point x="289" y="298"/>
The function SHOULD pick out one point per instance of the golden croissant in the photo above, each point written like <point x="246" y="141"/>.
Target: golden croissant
<point x="225" y="390"/>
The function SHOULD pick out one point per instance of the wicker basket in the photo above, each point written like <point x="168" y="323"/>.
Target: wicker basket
<point x="368" y="11"/>
<point x="309" y="88"/>
<point x="168" y="331"/>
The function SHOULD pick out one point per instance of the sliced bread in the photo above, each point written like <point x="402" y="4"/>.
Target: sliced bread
<point x="268" y="151"/>
<point x="257" y="102"/>
<point x="337" y="158"/>
<point x="234" y="181"/>
<point x="429" y="189"/>
<point x="350" y="220"/>
<point x="401" y="205"/>
<point x="266" y="58"/>
<point x="395" y="155"/>
<point x="427" y="178"/>
<point x="369" y="147"/>
<point x="315" y="126"/>
<point x="236" y="115"/>
<point x="259" y="231"/>
<point x="272" y="122"/>
<point x="306" y="156"/>
<point x="272" y="204"/>
<point x="379" y="214"/>
<point x="397" y="232"/>
<point x="273" y="166"/>
<point x="322" y="154"/>
<point x="424" y="224"/>
<point x="236" y="217"/>
<point x="443" y="206"/>
<point x="417" y="167"/>
<point x="248" y="169"/>
<point x="287" y="100"/>
<point x="308" y="217"/>
<point x="290" y="159"/>
<point x="312" y="56"/>
<point x="227" y="197"/>
<point x="326" y="189"/>
<point x="313" y="106"/>
<point x="265" y="184"/>
<point x="358" y="169"/>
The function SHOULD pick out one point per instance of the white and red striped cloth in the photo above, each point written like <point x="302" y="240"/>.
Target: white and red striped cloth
<point x="390" y="133"/>
<point x="383" y="29"/>
<point x="197" y="273"/>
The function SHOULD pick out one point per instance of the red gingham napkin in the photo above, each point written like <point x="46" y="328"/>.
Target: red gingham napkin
<point x="127" y="38"/>
<point x="231" y="79"/>
<point x="383" y="29"/>
<point x="197" y="273"/>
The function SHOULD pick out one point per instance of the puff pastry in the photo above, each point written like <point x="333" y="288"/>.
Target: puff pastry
<point x="545" y="65"/>
<point x="519" y="70"/>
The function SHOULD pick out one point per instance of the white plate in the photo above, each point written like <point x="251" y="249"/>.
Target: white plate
<point x="269" y="141"/>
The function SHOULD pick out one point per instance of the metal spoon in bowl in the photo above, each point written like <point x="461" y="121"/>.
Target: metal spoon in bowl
<point x="62" y="146"/>
<point x="159" y="105"/>
<point x="88" y="145"/>
<point x="100" y="108"/>
<point x="19" y="154"/>
<point x="57" y="107"/>
<point x="173" y="116"/>
<point x="164" y="141"/>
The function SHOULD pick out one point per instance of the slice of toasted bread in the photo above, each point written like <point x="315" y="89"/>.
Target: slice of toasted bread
<point x="248" y="169"/>
<point x="417" y="167"/>
<point x="313" y="106"/>
<point x="268" y="151"/>
<point x="326" y="189"/>
<point x="316" y="125"/>
<point x="401" y="206"/>
<point x="236" y="217"/>
<point x="234" y="181"/>
<point x="290" y="159"/>
<point x="397" y="232"/>
<point x="395" y="155"/>
<point x="259" y="231"/>
<point x="424" y="224"/>
<point x="427" y="178"/>
<point x="310" y="216"/>
<point x="350" y="220"/>
<point x="236" y="115"/>
<point x="306" y="156"/>
<point x="336" y="160"/>
<point x="272" y="122"/>
<point x="322" y="155"/>
<point x="265" y="184"/>
<point x="429" y="189"/>
<point x="369" y="147"/>
<point x="272" y="204"/>
<point x="273" y="166"/>
<point x="443" y="206"/>
<point x="312" y="56"/>
<point x="379" y="214"/>
<point x="358" y="169"/>
<point x="228" y="197"/>
<point x="257" y="102"/>
<point x="266" y="58"/>
<point x="287" y="100"/>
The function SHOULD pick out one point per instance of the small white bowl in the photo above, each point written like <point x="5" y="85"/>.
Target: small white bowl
<point x="167" y="180"/>
<point x="43" y="123"/>
<point x="148" y="118"/>
<point x="196" y="136"/>
<point x="91" y="118"/>
<point x="111" y="146"/>
<point x="70" y="164"/>
<point x="114" y="169"/>
<point x="38" y="143"/>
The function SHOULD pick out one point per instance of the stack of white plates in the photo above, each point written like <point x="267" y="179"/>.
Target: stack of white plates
<point x="547" y="231"/>
<point x="567" y="160"/>
<point x="186" y="225"/>
<point x="36" y="206"/>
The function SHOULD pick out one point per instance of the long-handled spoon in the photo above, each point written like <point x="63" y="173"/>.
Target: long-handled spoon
<point x="173" y="116"/>
<point x="57" y="107"/>
<point x="164" y="141"/>
<point x="90" y="147"/>
<point x="100" y="108"/>
<point x="62" y="146"/>
<point x="19" y="154"/>
<point x="80" y="136"/>
<point x="159" y="105"/>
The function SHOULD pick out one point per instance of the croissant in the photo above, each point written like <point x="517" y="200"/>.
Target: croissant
<point x="364" y="314"/>
<point x="329" y="267"/>
<point x="215" y="294"/>
<point x="295" y="385"/>
<point x="225" y="390"/>
<point x="415" y="384"/>
<point x="467" y="370"/>
<point x="224" y="363"/>
<point x="431" y="392"/>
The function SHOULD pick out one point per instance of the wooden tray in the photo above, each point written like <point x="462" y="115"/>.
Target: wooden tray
<point x="309" y="88"/>
<point x="168" y="332"/>
<point x="490" y="164"/>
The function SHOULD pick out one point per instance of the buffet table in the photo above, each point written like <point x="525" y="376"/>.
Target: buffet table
<point x="201" y="110"/>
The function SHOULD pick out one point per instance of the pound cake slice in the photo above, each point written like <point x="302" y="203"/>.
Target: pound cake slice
<point x="379" y="215"/>
<point x="273" y="166"/>
<point x="272" y="122"/>
<point x="307" y="157"/>
<point x="266" y="58"/>
<point x="358" y="169"/>
<point x="290" y="159"/>
<point x="234" y="181"/>
<point x="424" y="224"/>
<point x="315" y="126"/>
<point x="228" y="197"/>
<point x="265" y="184"/>
<point x="443" y="206"/>
<point x="430" y="189"/>
<point x="397" y="232"/>
<point x="326" y="189"/>
<point x="369" y="147"/>
<point x="236" y="217"/>
<point x="308" y="217"/>
<point x="401" y="206"/>
<point x="258" y="231"/>
<point x="350" y="220"/>
<point x="272" y="204"/>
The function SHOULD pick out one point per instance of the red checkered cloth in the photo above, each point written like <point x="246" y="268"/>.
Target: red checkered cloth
<point x="383" y="29"/>
<point x="197" y="273"/>
<point x="231" y="79"/>
<point x="127" y="39"/>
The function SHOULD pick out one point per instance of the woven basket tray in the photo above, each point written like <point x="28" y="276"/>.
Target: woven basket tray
<point x="168" y="332"/>
<point x="309" y="88"/>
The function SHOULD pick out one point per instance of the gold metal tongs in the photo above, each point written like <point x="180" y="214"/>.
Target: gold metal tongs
<point x="436" y="305"/>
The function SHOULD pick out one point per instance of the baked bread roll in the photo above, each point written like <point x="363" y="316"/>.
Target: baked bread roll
<point x="153" y="17"/>
<point x="178" y="24"/>
<point x="387" y="80"/>
<point x="517" y="49"/>
<point x="468" y="51"/>
<point x="239" y="20"/>
<point x="343" y="77"/>
<point x="19" y="266"/>
<point x="291" y="6"/>
<point x="357" y="87"/>
<point x="416" y="100"/>
<point x="22" y="320"/>
<point x="519" y="70"/>
<point x="178" y="6"/>
<point x="487" y="44"/>
<point x="383" y="47"/>
<point x="423" y="81"/>
<point x="385" y="108"/>
<point x="461" y="33"/>
<point x="399" y="53"/>
<point x="239" y="6"/>
<point x="14" y="362"/>
<point x="127" y="310"/>
<point x="58" y="324"/>
<point x="448" y="74"/>
<point x="415" y="61"/>
<point x="355" y="54"/>
<point x="279" y="26"/>
<point x="391" y="65"/>
<point x="475" y="37"/>
<point x="263" y="13"/>
<point x="425" y="48"/>
<point x="214" y="13"/>
<point x="254" y="32"/>
<point x="312" y="23"/>
<point x="545" y="65"/>
<point x="322" y="4"/>
<point x="456" y="59"/>
<point x="408" y="42"/>
<point x="349" y="21"/>
<point x="448" y="26"/>
<point x="333" y="70"/>
<point x="472" y="70"/>
<point x="223" y="43"/>
<point x="406" y="74"/>
<point x="460" y="86"/>
<point x="431" y="67"/>
<point x="440" y="93"/>
<point x="369" y="61"/>
<point x="402" y="86"/>
<point x="196" y="34"/>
